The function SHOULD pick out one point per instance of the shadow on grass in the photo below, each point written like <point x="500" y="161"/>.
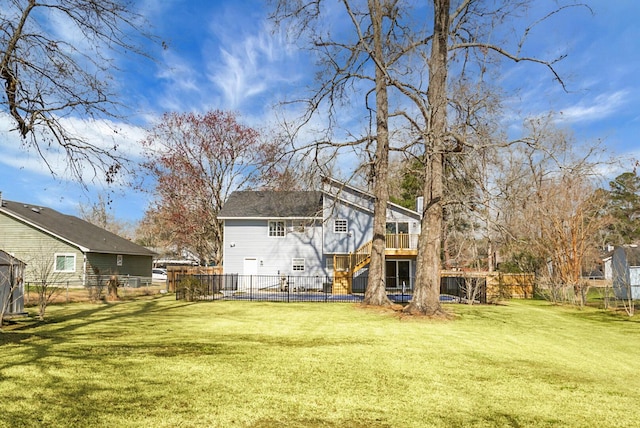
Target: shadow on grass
<point x="39" y="348"/>
<point x="38" y="336"/>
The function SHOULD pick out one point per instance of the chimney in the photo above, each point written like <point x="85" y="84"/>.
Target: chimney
<point x="420" y="205"/>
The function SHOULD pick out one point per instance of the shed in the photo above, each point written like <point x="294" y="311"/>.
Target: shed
<point x="11" y="284"/>
<point x="625" y="264"/>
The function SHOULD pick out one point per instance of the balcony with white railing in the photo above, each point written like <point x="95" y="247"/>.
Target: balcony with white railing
<point x="400" y="244"/>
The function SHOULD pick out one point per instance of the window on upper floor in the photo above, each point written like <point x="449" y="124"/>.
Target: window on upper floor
<point x="340" y="226"/>
<point x="277" y="228"/>
<point x="65" y="263"/>
<point x="397" y="227"/>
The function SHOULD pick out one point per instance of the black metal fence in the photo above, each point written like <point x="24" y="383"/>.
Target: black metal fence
<point x="306" y="289"/>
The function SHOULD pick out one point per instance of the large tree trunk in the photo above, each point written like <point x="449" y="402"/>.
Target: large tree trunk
<point x="376" y="290"/>
<point x="426" y="296"/>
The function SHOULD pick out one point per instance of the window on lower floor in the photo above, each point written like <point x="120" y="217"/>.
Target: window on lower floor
<point x="398" y="274"/>
<point x="329" y="262"/>
<point x="297" y="265"/>
<point x="65" y="263"/>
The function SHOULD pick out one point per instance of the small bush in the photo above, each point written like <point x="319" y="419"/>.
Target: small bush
<point x="191" y="287"/>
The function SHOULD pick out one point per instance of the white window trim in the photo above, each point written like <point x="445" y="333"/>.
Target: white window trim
<point x="65" y="255"/>
<point x="329" y="262"/>
<point x="346" y="225"/>
<point x="298" y="262"/>
<point x="276" y="235"/>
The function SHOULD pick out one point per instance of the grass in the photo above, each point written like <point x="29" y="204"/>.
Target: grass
<point x="157" y="362"/>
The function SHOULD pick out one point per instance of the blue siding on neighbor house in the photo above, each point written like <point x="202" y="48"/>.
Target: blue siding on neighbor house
<point x="625" y="275"/>
<point x="249" y="238"/>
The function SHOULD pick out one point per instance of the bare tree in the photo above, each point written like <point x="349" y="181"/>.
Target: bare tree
<point x="553" y="188"/>
<point x="567" y="222"/>
<point x="413" y="65"/>
<point x="472" y="289"/>
<point x="98" y="214"/>
<point x="360" y="63"/>
<point x="42" y="275"/>
<point x="197" y="160"/>
<point x="462" y="35"/>
<point x="50" y="75"/>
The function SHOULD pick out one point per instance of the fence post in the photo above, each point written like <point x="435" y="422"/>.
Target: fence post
<point x="288" y="288"/>
<point x="326" y="292"/>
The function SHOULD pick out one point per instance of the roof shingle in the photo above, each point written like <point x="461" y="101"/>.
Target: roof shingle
<point x="73" y="229"/>
<point x="272" y="204"/>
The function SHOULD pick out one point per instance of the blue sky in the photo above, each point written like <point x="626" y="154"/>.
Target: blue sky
<point x="224" y="55"/>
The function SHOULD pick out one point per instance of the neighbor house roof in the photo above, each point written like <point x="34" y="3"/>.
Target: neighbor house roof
<point x="632" y="253"/>
<point x="272" y="204"/>
<point x="88" y="237"/>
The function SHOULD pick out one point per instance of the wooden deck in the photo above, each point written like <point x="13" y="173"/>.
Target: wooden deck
<point x="397" y="245"/>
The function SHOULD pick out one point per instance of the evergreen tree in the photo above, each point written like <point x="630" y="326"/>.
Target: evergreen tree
<point x="624" y="207"/>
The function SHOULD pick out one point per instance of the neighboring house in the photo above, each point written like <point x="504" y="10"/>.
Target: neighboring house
<point x="625" y="266"/>
<point x="607" y="268"/>
<point x="67" y="249"/>
<point x="316" y="233"/>
<point x="11" y="284"/>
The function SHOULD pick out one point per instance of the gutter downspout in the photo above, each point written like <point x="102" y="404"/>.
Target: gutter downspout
<point x="84" y="270"/>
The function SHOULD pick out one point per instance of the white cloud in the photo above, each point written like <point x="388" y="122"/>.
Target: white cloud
<point x="601" y="107"/>
<point x="100" y="133"/>
<point x="250" y="65"/>
<point x="181" y="82"/>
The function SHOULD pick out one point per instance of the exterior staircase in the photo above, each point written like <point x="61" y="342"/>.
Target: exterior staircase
<point x="344" y="266"/>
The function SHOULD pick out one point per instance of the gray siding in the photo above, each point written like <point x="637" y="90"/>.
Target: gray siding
<point x="38" y="251"/>
<point x="107" y="264"/>
<point x="250" y="239"/>
<point x="247" y="240"/>
<point x="359" y="227"/>
<point x="359" y="222"/>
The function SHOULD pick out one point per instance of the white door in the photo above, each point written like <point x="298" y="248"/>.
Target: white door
<point x="249" y="270"/>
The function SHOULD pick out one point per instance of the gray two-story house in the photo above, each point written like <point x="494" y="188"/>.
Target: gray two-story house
<point x="316" y="233"/>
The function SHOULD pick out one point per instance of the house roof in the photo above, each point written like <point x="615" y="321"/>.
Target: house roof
<point x="272" y="204"/>
<point x="632" y="254"/>
<point x="364" y="194"/>
<point x="7" y="259"/>
<point x="88" y="237"/>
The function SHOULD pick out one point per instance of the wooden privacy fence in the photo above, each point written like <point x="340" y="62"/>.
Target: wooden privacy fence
<point x="174" y="272"/>
<point x="499" y="285"/>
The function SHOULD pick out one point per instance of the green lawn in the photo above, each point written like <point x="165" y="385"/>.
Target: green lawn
<point x="156" y="362"/>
